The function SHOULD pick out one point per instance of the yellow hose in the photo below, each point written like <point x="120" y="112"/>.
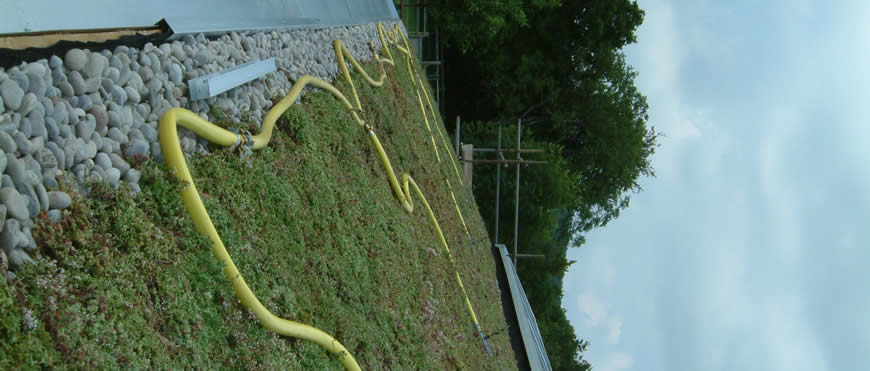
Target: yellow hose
<point x="405" y="198"/>
<point x="418" y="84"/>
<point x="174" y="156"/>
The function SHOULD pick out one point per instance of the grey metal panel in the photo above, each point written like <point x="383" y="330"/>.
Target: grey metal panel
<point x="181" y="25"/>
<point x="218" y="82"/>
<point x="535" y="351"/>
<point x="331" y="9"/>
<point x="190" y="15"/>
<point x="46" y="15"/>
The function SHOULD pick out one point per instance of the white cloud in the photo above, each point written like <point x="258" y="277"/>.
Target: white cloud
<point x="660" y="52"/>
<point x="614" y="329"/>
<point x="777" y="189"/>
<point x="728" y="214"/>
<point x="684" y="128"/>
<point x="593" y="309"/>
<point x="596" y="316"/>
<point x="789" y="342"/>
<point x="615" y="361"/>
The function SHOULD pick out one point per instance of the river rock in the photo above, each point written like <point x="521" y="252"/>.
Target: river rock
<point x="37" y="124"/>
<point x="103" y="160"/>
<point x="86" y="127"/>
<point x="178" y="51"/>
<point x="112" y="176"/>
<point x="92" y="85"/>
<point x="60" y="114"/>
<point x="133" y="176"/>
<point x="58" y="154"/>
<point x="175" y="73"/>
<point x="12" y="94"/>
<point x="66" y="89"/>
<point x="114" y="75"/>
<point x="77" y="82"/>
<point x="7" y="144"/>
<point x="133" y="95"/>
<point x="137" y="147"/>
<point x="21" y="141"/>
<point x="49" y="179"/>
<point x="16" y="204"/>
<point x="11" y="234"/>
<point x="75" y="59"/>
<point x="51" y="128"/>
<point x="55" y="62"/>
<point x="116" y="135"/>
<point x="101" y="118"/>
<point x="119" y="95"/>
<point x="18" y="257"/>
<point x="15" y="168"/>
<point x="46" y="158"/>
<point x="42" y="195"/>
<point x="146" y="73"/>
<point x="20" y="78"/>
<point x="29" y="193"/>
<point x="28" y="104"/>
<point x="54" y="216"/>
<point x="37" y="143"/>
<point x="95" y="66"/>
<point x="37" y="84"/>
<point x="58" y="200"/>
<point x="119" y="163"/>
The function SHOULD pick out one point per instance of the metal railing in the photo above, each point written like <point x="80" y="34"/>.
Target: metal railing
<point x="535" y="350"/>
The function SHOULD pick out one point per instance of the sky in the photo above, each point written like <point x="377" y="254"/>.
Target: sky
<point x="749" y="249"/>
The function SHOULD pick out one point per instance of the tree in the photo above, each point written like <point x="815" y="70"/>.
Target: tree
<point x="609" y="144"/>
<point x="558" y="65"/>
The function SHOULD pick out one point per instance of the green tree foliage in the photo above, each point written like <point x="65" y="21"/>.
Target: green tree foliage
<point x="558" y="65"/>
<point x="546" y="200"/>
<point x="472" y="25"/>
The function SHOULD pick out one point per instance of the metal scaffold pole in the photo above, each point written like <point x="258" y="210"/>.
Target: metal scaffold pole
<point x="497" y="184"/>
<point x="517" y="199"/>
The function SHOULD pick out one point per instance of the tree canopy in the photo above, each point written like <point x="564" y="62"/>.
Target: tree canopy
<point x="559" y="66"/>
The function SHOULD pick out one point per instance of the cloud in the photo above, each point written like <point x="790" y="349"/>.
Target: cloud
<point x="596" y="316"/>
<point x="615" y="361"/>
<point x="778" y="191"/>
<point x="614" y="330"/>
<point x="749" y="242"/>
<point x="593" y="309"/>
<point x="790" y="344"/>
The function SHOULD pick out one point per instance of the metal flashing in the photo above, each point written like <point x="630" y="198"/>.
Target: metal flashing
<point x="191" y="16"/>
<point x="210" y="85"/>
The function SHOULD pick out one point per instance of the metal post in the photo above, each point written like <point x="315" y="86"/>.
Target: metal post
<point x="457" y="135"/>
<point x="497" y="184"/>
<point x="534" y="256"/>
<point x="517" y="200"/>
<point x="524" y="162"/>
<point x="510" y="150"/>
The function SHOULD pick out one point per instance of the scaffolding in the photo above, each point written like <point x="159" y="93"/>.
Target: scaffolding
<point x="423" y="36"/>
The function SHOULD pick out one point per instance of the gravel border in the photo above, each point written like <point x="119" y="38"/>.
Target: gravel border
<point x="84" y="114"/>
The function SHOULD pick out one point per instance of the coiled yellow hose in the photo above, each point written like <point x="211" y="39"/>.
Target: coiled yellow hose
<point x="174" y="156"/>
